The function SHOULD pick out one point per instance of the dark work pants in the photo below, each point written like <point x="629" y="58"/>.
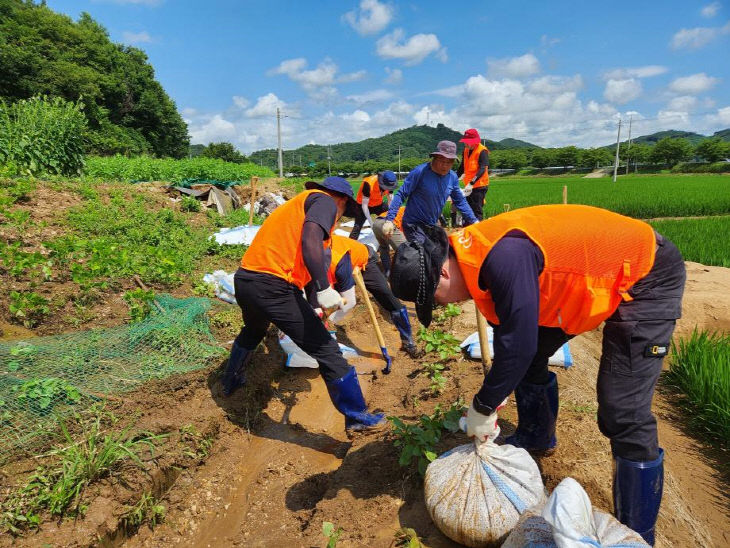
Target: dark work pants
<point x="635" y="339"/>
<point x="377" y="284"/>
<point x="628" y="371"/>
<point x="414" y="232"/>
<point x="476" y="201"/>
<point x="265" y="299"/>
<point x="360" y="217"/>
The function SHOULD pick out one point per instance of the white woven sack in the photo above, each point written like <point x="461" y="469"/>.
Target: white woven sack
<point x="476" y="493"/>
<point x="569" y="521"/>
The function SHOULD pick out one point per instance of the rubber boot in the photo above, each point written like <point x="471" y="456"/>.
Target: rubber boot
<point x="403" y="324"/>
<point x="235" y="373"/>
<point x="355" y="232"/>
<point x="537" y="413"/>
<point x="385" y="259"/>
<point x="637" y="493"/>
<point x="347" y="398"/>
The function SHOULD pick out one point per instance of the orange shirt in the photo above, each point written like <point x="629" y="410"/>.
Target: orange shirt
<point x="376" y="195"/>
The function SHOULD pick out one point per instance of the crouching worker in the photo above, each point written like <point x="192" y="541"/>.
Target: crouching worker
<point x="541" y="275"/>
<point x="386" y="243"/>
<point x="373" y="198"/>
<point x="285" y="255"/>
<point x="348" y="254"/>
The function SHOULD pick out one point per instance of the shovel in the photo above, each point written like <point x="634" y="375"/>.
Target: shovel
<point x="381" y="341"/>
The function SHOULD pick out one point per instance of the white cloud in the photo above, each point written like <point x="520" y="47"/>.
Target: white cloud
<point x="635" y="72"/>
<point x="697" y="37"/>
<point x="691" y="85"/>
<point x="395" y="76"/>
<point x="318" y="82"/>
<point x="133" y="38"/>
<point x="357" y="117"/>
<point x="373" y="96"/>
<point x="372" y="17"/>
<point x="683" y="103"/>
<point x="265" y="106"/>
<point x="215" y="129"/>
<point x="412" y="50"/>
<point x="710" y="10"/>
<point x="719" y="119"/>
<point x="622" y="91"/>
<point x="240" y="102"/>
<point x="514" y="67"/>
<point x="547" y="42"/>
<point x="555" y="84"/>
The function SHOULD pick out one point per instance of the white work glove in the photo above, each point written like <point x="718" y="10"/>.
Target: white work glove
<point x="366" y="210"/>
<point x="467" y="190"/>
<point x="483" y="427"/>
<point x="350" y="300"/>
<point x="388" y="228"/>
<point x="329" y="298"/>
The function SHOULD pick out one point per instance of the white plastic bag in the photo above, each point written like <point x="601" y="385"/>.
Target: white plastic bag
<point x="366" y="237"/>
<point x="475" y="493"/>
<point x="237" y="235"/>
<point x="296" y="357"/>
<point x="569" y="521"/>
<point x="561" y="358"/>
<point x="222" y="283"/>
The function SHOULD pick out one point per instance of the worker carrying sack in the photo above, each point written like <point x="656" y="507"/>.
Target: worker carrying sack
<point x="475" y="493"/>
<point x="569" y="521"/>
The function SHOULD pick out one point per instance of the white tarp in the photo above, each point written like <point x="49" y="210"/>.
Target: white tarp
<point x="561" y="358"/>
<point x="366" y="237"/>
<point x="237" y="235"/>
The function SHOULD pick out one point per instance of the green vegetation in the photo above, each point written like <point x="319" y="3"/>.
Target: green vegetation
<point x="223" y="151"/>
<point x="331" y="533"/>
<point x="145" y="168"/>
<point x="28" y="307"/>
<point x="700" y="240"/>
<point x="444" y="344"/>
<point x="42" y="394"/>
<point x="58" y="487"/>
<point x="42" y="135"/>
<point x="147" y="510"/>
<point x="140" y="303"/>
<point x="418" y="441"/>
<point x="700" y="367"/>
<point x="407" y="537"/>
<point x="128" y="112"/>
<point x="638" y="196"/>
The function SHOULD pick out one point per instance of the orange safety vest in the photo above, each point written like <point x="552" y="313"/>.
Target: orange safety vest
<point x="398" y="221"/>
<point x="471" y="166"/>
<point x="277" y="247"/>
<point x="340" y="246"/>
<point x="376" y="195"/>
<point x="592" y="258"/>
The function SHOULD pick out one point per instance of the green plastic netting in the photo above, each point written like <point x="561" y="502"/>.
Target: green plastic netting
<point x="49" y="377"/>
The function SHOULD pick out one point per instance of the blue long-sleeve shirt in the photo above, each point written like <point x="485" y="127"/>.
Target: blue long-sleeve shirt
<point x="426" y="192"/>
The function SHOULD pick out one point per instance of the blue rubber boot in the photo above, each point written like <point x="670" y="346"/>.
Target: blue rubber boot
<point x="403" y="323"/>
<point x="235" y="373"/>
<point x="637" y="493"/>
<point x="347" y="398"/>
<point x="537" y="413"/>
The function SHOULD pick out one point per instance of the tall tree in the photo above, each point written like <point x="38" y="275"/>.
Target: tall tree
<point x="713" y="150"/>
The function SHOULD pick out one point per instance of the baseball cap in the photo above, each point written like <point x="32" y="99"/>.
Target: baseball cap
<point x="471" y="137"/>
<point x="387" y="180"/>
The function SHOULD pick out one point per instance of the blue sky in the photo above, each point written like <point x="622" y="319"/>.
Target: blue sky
<point x="552" y="73"/>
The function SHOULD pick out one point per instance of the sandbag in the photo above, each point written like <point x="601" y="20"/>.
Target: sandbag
<point x="296" y="357"/>
<point x="476" y="493"/>
<point x="568" y="520"/>
<point x="561" y="358"/>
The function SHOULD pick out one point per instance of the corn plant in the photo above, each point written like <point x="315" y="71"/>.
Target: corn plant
<point x="700" y="367"/>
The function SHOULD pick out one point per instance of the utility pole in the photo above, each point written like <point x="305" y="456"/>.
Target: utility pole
<point x="629" y="148"/>
<point x="398" y="176"/>
<point x="615" y="163"/>
<point x="278" y="134"/>
<point x="329" y="158"/>
<point x="300" y="160"/>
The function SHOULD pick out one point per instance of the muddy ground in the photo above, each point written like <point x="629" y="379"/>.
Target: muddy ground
<point x="269" y="465"/>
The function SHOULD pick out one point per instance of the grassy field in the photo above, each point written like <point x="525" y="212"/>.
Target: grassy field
<point x="700" y="240"/>
<point x="639" y="196"/>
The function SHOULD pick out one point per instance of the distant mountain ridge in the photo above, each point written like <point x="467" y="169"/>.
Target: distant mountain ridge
<point x="693" y="138"/>
<point x="414" y="142"/>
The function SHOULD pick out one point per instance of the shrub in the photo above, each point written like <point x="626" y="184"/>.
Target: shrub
<point x="42" y="135"/>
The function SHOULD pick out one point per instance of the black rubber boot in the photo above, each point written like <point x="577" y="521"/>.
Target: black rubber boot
<point x="403" y="323"/>
<point x="384" y="252"/>
<point x="637" y="493"/>
<point x="235" y="373"/>
<point x="537" y="413"/>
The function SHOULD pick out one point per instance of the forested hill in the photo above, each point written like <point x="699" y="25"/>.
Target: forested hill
<point x="414" y="142"/>
<point x="43" y="52"/>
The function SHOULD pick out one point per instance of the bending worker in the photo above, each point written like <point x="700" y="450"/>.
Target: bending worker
<point x="425" y="191"/>
<point x="285" y="255"/>
<point x="396" y="237"/>
<point x="542" y="275"/>
<point x="373" y="198"/>
<point x="475" y="169"/>
<point x="347" y="255"/>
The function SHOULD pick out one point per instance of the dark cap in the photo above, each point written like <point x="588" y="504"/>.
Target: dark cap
<point x="416" y="271"/>
<point x="337" y="185"/>
<point x="387" y="180"/>
<point x="447" y="149"/>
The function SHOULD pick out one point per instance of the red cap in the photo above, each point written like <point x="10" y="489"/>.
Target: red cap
<point x="471" y="137"/>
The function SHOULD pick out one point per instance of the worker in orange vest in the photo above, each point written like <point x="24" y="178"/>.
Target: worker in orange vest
<point x="474" y="168"/>
<point x="347" y="255"/>
<point x="541" y="275"/>
<point x="373" y="198"/>
<point x="285" y="255"/>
